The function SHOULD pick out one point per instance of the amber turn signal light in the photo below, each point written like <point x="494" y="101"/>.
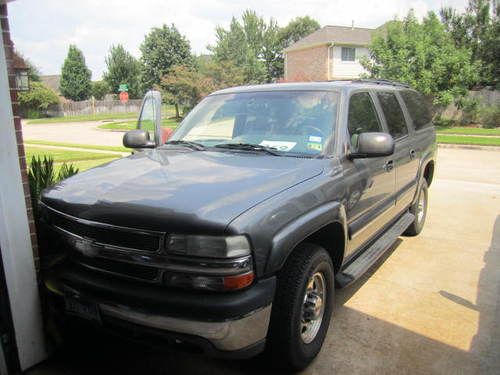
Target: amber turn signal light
<point x="238" y="281"/>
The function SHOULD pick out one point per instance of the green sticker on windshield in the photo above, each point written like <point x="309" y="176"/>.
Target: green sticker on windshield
<point x="314" y="146"/>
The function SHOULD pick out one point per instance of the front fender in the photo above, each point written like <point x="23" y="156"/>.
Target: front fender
<point x="299" y="229"/>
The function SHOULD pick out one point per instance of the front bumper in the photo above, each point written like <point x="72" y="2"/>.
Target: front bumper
<point x="230" y="335"/>
<point x="216" y="323"/>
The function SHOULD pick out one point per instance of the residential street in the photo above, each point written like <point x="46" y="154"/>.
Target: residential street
<point x="72" y="132"/>
<point x="430" y="306"/>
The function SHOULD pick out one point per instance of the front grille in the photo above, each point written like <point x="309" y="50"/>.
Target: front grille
<point x="107" y="234"/>
<point x="135" y="271"/>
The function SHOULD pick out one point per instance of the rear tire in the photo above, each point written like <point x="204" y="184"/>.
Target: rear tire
<point x="302" y="308"/>
<point x="419" y="209"/>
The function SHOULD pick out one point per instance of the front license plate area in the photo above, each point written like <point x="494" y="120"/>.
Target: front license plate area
<point x="83" y="309"/>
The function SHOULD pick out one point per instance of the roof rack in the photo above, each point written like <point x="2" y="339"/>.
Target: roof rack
<point x="381" y="81"/>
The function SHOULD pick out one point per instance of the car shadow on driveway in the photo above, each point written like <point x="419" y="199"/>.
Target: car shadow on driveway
<point x="356" y="343"/>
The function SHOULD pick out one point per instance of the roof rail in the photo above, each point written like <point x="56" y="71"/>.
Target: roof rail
<point x="381" y="81"/>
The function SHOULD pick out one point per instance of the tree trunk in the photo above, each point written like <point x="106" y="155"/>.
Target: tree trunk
<point x="177" y="111"/>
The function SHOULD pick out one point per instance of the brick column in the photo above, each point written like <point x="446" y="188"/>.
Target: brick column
<point x="9" y="51"/>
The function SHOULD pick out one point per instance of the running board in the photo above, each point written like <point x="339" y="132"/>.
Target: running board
<point x="363" y="262"/>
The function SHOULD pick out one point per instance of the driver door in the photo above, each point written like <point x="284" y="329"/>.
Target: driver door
<point x="371" y="197"/>
<point x="150" y="116"/>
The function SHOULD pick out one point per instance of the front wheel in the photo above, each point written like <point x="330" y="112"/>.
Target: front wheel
<point x="302" y="308"/>
<point x="419" y="209"/>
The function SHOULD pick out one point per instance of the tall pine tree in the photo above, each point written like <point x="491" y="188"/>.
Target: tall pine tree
<point x="75" y="76"/>
<point x="123" y="68"/>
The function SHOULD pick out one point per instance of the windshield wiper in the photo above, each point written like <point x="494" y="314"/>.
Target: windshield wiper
<point x="248" y="147"/>
<point x="192" y="145"/>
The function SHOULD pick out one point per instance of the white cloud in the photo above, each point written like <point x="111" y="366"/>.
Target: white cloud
<point x="42" y="30"/>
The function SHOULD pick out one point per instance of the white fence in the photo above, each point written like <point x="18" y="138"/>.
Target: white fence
<point x="92" y="107"/>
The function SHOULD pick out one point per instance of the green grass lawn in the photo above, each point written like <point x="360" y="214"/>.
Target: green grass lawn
<point x="77" y="145"/>
<point x="463" y="140"/>
<point x="61" y="155"/>
<point x="468" y="131"/>
<point x="131" y="125"/>
<point x="80" y="118"/>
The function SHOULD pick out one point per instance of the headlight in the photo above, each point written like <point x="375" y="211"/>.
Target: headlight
<point x="208" y="246"/>
<point x="214" y="263"/>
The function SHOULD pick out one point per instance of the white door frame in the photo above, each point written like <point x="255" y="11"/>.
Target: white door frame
<point x="15" y="242"/>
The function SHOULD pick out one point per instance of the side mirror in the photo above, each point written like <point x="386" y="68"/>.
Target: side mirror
<point x="138" y="139"/>
<point x="372" y="145"/>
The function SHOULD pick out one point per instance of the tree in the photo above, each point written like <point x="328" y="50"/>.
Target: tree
<point x="297" y="29"/>
<point x="122" y="68"/>
<point x="185" y="87"/>
<point x="223" y="74"/>
<point x="257" y="46"/>
<point x="423" y="55"/>
<point x="100" y="89"/>
<point x="479" y="30"/>
<point x="244" y="44"/>
<point x="37" y="99"/>
<point x="75" y="76"/>
<point x="161" y="49"/>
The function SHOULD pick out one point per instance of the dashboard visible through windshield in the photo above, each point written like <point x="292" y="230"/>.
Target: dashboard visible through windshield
<point x="288" y="122"/>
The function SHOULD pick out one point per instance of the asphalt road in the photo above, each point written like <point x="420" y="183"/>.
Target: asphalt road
<point x="431" y="305"/>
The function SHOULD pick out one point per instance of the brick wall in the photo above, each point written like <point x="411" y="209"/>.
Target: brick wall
<point x="9" y="50"/>
<point x="309" y="64"/>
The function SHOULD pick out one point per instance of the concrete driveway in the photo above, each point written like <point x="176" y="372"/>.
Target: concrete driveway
<point x="73" y="132"/>
<point x="430" y="306"/>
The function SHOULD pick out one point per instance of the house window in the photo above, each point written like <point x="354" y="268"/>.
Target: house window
<point x="348" y="54"/>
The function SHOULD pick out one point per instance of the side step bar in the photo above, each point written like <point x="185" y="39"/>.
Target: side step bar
<point x="363" y="262"/>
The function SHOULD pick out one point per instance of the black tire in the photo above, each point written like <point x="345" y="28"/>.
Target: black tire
<point x="285" y="343"/>
<point x="418" y="224"/>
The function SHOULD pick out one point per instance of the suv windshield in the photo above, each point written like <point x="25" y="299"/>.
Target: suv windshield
<point x="290" y="122"/>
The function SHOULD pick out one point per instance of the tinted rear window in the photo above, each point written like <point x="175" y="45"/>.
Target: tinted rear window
<point x="393" y="114"/>
<point x="418" y="108"/>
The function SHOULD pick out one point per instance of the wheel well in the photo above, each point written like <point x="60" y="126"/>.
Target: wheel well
<point x="429" y="172"/>
<point x="331" y="238"/>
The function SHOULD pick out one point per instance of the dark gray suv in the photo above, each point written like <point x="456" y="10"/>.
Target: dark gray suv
<point x="231" y="235"/>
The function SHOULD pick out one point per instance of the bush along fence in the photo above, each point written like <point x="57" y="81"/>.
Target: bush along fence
<point x="478" y="107"/>
<point x="92" y="107"/>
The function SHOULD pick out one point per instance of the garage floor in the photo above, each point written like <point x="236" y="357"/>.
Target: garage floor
<point x="430" y="306"/>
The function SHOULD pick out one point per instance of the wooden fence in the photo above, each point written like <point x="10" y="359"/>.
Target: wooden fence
<point x="92" y="107"/>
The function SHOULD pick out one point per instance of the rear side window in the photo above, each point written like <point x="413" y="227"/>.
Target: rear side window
<point x="362" y="117"/>
<point x="393" y="114"/>
<point x="418" y="108"/>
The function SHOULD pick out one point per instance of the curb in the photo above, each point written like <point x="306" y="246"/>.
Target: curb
<point x="469" y="147"/>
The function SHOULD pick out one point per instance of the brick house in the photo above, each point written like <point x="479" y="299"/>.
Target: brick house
<point x="332" y="52"/>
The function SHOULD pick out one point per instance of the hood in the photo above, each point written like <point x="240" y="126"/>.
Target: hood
<point x="176" y="189"/>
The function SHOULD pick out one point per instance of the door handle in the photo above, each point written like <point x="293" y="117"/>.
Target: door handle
<point x="413" y="154"/>
<point x="389" y="165"/>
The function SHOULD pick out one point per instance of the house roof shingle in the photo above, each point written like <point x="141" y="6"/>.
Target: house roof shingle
<point x="357" y="36"/>
<point x="52" y="81"/>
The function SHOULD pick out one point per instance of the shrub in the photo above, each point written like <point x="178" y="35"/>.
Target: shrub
<point x="42" y="174"/>
<point x="35" y="101"/>
<point x="490" y="116"/>
<point x="100" y="89"/>
<point x="470" y="107"/>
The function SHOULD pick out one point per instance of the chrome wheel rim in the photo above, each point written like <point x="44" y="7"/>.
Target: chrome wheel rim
<point x="313" y="307"/>
<point x="421" y="207"/>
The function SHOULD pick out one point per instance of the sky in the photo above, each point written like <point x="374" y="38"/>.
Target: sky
<point x="42" y="30"/>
